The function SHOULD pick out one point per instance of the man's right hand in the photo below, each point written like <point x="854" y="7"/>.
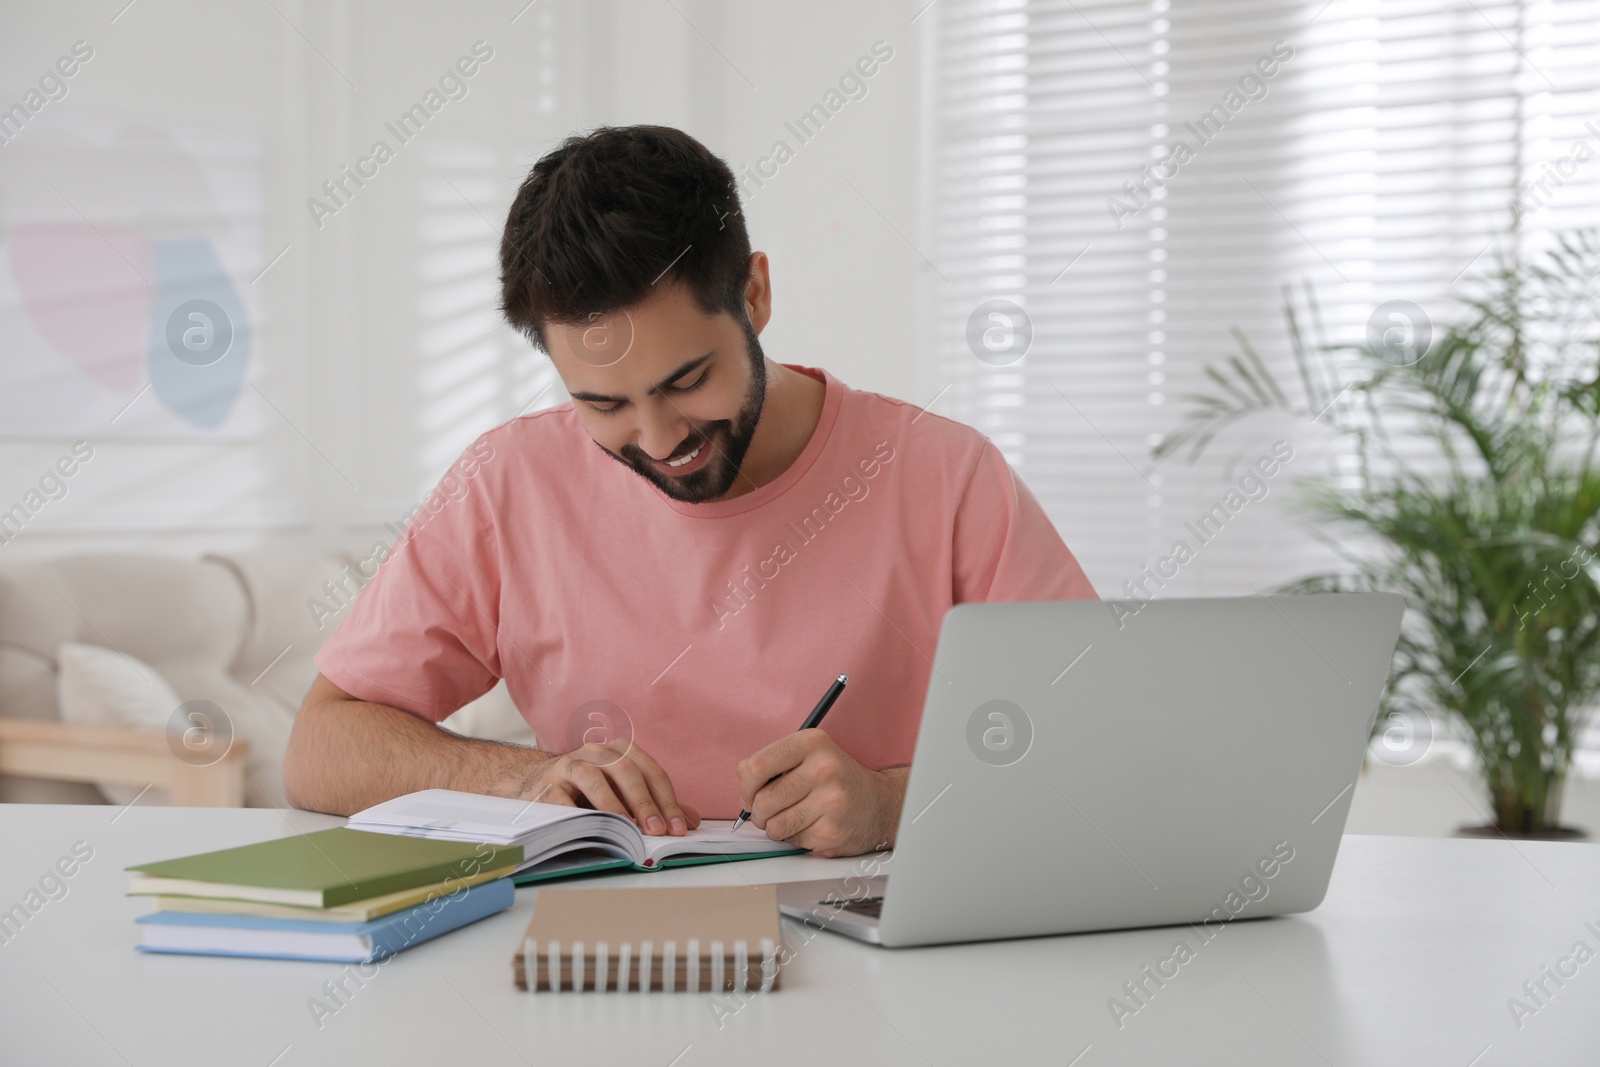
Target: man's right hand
<point x="616" y="776"/>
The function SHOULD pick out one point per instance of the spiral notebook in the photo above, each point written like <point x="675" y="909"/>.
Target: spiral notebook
<point x="673" y="938"/>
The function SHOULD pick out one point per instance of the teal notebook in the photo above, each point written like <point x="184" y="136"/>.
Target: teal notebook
<point x="322" y="869"/>
<point x="560" y="841"/>
<point x="574" y="863"/>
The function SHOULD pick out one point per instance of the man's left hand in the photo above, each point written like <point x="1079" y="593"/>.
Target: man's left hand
<point x="825" y="801"/>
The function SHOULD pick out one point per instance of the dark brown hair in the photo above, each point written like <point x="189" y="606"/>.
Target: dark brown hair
<point x="602" y="217"/>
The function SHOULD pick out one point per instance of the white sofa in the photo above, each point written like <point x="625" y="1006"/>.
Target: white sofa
<point x="234" y="629"/>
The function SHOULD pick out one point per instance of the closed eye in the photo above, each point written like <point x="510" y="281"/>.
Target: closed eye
<point x="705" y="372"/>
<point x="689" y="388"/>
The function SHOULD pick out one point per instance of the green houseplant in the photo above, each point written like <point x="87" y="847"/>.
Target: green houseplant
<point x="1478" y="500"/>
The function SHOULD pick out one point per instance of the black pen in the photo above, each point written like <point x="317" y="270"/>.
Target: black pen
<point x="812" y="721"/>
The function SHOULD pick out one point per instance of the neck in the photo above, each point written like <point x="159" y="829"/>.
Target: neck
<point x="789" y="416"/>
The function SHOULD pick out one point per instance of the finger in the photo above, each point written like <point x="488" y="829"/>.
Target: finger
<point x="666" y="797"/>
<point x="554" y="793"/>
<point x="825" y="763"/>
<point x="680" y="817"/>
<point x="789" y="790"/>
<point x="782" y="755"/>
<point x="628" y="782"/>
<point x="591" y="782"/>
<point x="821" y="822"/>
<point x="791" y="824"/>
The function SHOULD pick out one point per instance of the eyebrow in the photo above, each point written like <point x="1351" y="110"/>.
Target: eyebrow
<point x="601" y="398"/>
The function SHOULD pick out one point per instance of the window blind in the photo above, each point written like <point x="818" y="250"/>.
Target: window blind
<point x="1370" y="150"/>
<point x="1375" y="151"/>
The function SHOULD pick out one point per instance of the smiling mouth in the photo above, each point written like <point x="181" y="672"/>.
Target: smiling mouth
<point x="690" y="458"/>
<point x="692" y="461"/>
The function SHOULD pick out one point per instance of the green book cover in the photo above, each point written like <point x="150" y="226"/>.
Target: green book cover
<point x="340" y="865"/>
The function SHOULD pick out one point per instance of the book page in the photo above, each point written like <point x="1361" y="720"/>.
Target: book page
<point x="713" y="837"/>
<point x="470" y="815"/>
<point x="548" y="830"/>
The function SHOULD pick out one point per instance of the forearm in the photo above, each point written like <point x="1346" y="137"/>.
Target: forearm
<point x="346" y="755"/>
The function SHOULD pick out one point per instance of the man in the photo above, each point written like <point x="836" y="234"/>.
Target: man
<point x="670" y="570"/>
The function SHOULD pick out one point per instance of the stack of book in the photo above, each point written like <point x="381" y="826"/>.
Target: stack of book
<point x="339" y="895"/>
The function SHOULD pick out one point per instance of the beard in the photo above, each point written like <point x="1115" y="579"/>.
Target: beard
<point x="728" y="439"/>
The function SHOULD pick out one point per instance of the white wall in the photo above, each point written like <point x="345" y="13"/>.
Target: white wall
<point x="381" y="353"/>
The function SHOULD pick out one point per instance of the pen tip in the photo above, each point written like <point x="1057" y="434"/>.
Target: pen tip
<point x="843" y="678"/>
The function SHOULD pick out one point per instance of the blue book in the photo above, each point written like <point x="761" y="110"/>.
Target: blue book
<point x="211" y="934"/>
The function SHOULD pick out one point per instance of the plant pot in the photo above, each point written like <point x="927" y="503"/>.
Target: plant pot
<point x="1560" y="833"/>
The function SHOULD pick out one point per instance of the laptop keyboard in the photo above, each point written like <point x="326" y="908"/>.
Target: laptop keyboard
<point x="872" y="906"/>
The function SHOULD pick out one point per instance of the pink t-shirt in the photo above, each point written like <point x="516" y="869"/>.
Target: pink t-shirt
<point x="709" y="630"/>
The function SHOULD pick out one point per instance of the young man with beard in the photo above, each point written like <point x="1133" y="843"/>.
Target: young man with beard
<point x="686" y="553"/>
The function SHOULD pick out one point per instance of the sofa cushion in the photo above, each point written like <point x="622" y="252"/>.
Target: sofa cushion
<point x="101" y="687"/>
<point x="98" y="687"/>
<point x="149" y="607"/>
<point x="236" y="628"/>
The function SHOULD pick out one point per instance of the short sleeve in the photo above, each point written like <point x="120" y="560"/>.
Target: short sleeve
<point x="422" y="634"/>
<point x="1005" y="546"/>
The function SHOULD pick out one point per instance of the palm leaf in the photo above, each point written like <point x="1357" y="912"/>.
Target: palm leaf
<point x="1497" y="557"/>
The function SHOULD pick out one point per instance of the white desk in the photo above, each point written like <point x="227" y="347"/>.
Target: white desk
<point x="1410" y="960"/>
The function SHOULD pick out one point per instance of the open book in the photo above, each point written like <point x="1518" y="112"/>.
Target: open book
<point x="557" y="840"/>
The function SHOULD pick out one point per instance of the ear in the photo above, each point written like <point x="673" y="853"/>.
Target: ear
<point x="758" y="292"/>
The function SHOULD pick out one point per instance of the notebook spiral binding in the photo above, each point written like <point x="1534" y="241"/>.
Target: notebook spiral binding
<point x="636" y="969"/>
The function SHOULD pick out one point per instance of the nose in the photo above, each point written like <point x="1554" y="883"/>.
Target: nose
<point x="662" y="430"/>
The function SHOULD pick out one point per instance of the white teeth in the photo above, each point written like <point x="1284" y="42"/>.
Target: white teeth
<point x="686" y="459"/>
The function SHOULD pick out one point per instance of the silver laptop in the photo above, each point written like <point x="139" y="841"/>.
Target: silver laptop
<point x="1100" y="765"/>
